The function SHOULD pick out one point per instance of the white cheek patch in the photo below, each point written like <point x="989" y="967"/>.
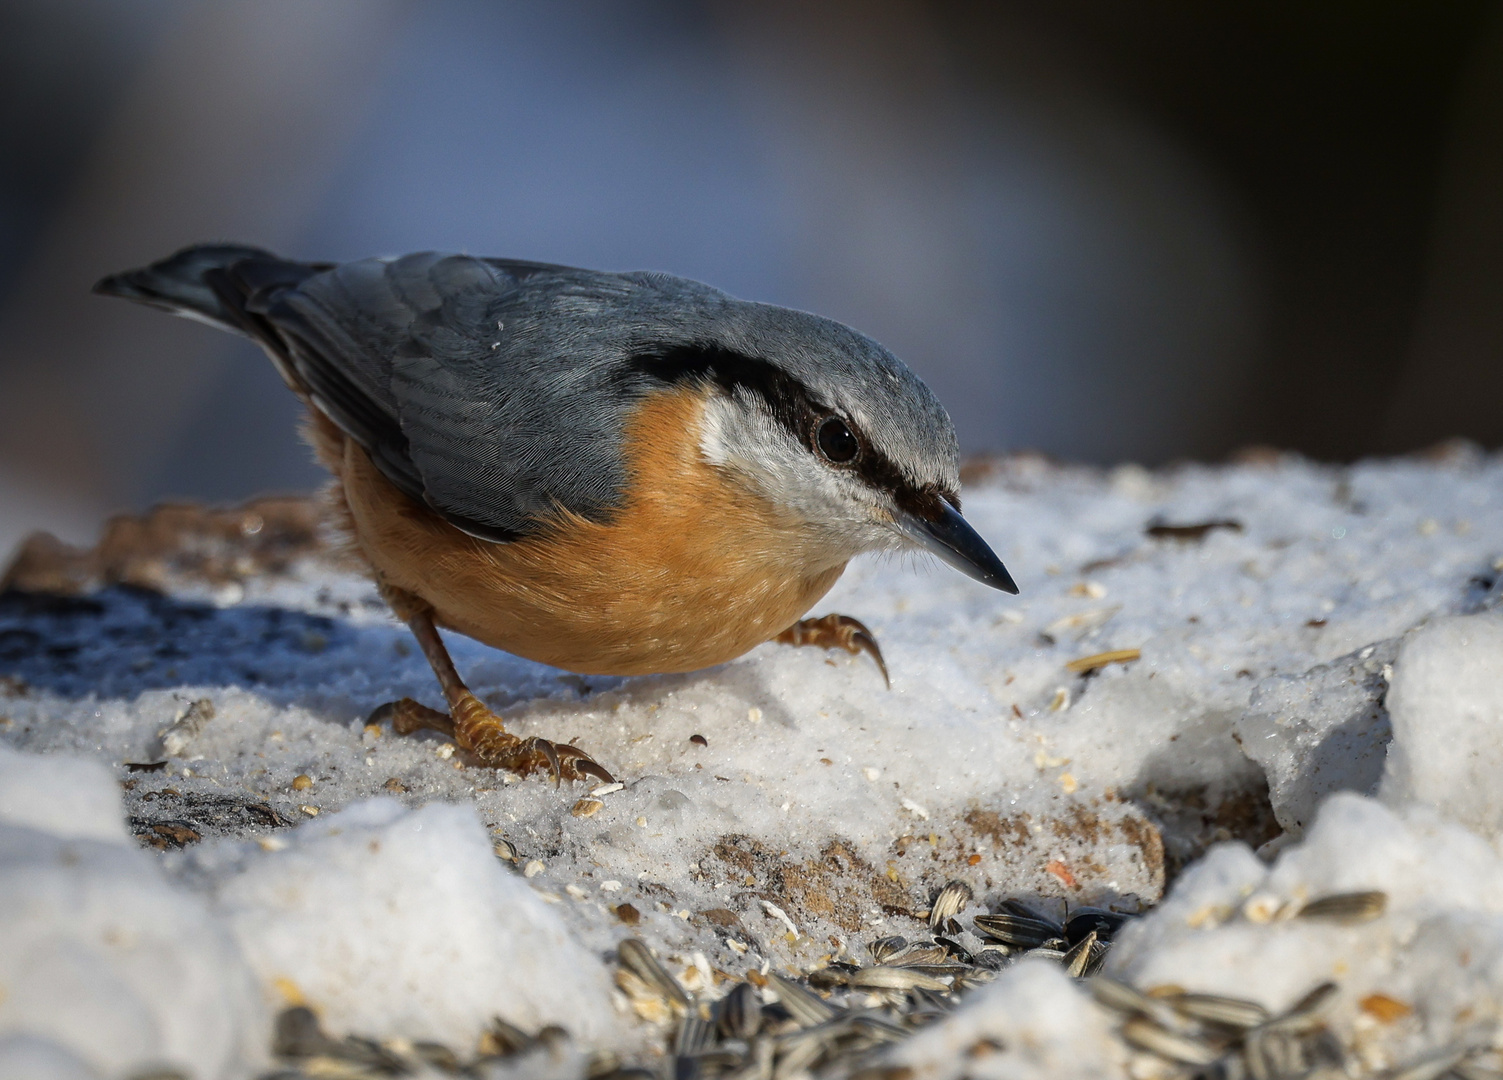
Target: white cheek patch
<point x="738" y="436"/>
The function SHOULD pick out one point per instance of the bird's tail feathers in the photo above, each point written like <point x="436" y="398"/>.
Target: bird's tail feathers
<point x="184" y="284"/>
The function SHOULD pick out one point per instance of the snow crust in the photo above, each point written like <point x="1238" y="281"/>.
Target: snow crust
<point x="1309" y="637"/>
<point x="1447" y="707"/>
<point x="102" y="959"/>
<point x="379" y="914"/>
<point x="1033" y="1023"/>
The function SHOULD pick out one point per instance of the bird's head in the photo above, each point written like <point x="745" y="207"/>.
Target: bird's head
<point x="831" y="428"/>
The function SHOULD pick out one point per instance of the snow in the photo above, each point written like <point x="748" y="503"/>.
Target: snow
<point x="1331" y="635"/>
<point x="376" y="913"/>
<point x="69" y="797"/>
<point x="1031" y="1024"/>
<point x="103" y="958"/>
<point x="1446" y="697"/>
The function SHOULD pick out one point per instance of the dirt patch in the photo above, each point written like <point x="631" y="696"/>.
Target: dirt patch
<point x="174" y="544"/>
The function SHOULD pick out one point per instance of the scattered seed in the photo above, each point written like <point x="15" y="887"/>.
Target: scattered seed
<point x="533" y="869"/>
<point x="739" y="1013"/>
<point x="1161" y="530"/>
<point x="504" y="848"/>
<point x="1102" y="659"/>
<point x="1019" y="931"/>
<point x="781" y="915"/>
<point x="1215" y="1009"/>
<point x="607" y="789"/>
<point x="1347" y="907"/>
<point x="302" y="782"/>
<point x="585" y="808"/>
<point x="1146" y="1035"/>
<point x="1078" y="958"/>
<point x="311" y="811"/>
<point x="950" y="902"/>
<point x="635" y="957"/>
<point x="627" y="913"/>
<point x="699" y="740"/>
<point x="1384" y="1009"/>
<point x="884" y="977"/>
<point x="806" y="1008"/>
<point x="395" y="786"/>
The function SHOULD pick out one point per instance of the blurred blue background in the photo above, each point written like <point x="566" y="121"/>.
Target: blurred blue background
<point x="1105" y="230"/>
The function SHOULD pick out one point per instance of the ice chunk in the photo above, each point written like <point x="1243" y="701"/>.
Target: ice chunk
<point x="1326" y="730"/>
<point x="1447" y="709"/>
<point x="102" y="957"/>
<point x="1033" y="1023"/>
<point x="65" y="796"/>
<point x="405" y="923"/>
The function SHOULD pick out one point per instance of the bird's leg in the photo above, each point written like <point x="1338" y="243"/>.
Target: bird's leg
<point x="478" y="731"/>
<point x="836" y="632"/>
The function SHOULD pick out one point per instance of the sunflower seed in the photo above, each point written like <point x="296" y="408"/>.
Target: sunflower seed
<point x="807" y="1009"/>
<point x="1019" y="931"/>
<point x="1215" y="1009"/>
<point x="956" y="950"/>
<point x="1347" y="907"/>
<point x="739" y="1014"/>
<point x="695" y="1035"/>
<point x="1086" y="919"/>
<point x="950" y="902"/>
<point x="1146" y="1035"/>
<point x="884" y="949"/>
<point x="800" y="1053"/>
<point x="1305" y="1013"/>
<point x="895" y="978"/>
<point x="1122" y="998"/>
<point x="507" y="1039"/>
<point x="1079" y="957"/>
<point x="634" y="956"/>
<point x="935" y="954"/>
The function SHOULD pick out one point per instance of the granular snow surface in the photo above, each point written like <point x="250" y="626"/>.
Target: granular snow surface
<point x="1318" y="676"/>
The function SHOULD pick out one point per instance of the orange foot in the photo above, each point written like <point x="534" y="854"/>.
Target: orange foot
<point x="480" y="733"/>
<point x="836" y="632"/>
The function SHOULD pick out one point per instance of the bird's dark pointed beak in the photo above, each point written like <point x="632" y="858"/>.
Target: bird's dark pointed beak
<point x="954" y="541"/>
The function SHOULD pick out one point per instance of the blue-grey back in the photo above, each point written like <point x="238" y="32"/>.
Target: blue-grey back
<point x="498" y="391"/>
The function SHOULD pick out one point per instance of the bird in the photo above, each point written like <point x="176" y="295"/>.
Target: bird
<point x="611" y="473"/>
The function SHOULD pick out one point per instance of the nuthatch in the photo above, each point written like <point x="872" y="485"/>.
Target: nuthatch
<point x="610" y="473"/>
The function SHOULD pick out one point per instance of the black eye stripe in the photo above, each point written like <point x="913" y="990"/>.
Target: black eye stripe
<point x="790" y="404"/>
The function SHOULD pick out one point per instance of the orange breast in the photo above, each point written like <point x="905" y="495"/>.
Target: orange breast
<point x="693" y="570"/>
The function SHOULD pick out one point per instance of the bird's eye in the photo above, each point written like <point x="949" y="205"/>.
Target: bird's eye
<point x="836" y="442"/>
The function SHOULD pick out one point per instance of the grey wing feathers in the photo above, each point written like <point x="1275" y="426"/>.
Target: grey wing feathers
<point x="456" y="386"/>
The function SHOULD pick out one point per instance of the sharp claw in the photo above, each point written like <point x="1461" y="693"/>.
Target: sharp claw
<point x="868" y="644"/>
<point x="589" y="767"/>
<point x="549" y="751"/>
<point x="582" y="764"/>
